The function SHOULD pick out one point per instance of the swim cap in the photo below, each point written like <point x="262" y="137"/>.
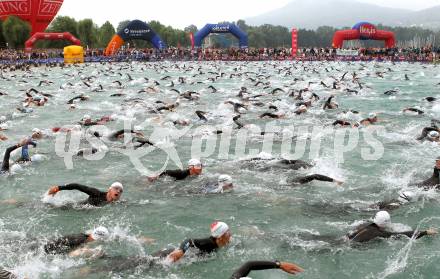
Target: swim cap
<point x="87" y="117"/>
<point x="382" y="218"/>
<point x="100" y="233"/>
<point x="117" y="185"/>
<point x="3" y="126"/>
<point x="36" y="131"/>
<point x="224" y="179"/>
<point x="433" y="134"/>
<point x="302" y="107"/>
<point x="372" y="115"/>
<point x="194" y="163"/>
<point x="218" y="229"/>
<point x="406" y="196"/>
<point x="72" y="106"/>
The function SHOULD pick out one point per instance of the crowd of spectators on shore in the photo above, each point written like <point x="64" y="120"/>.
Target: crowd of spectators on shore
<point x="425" y="54"/>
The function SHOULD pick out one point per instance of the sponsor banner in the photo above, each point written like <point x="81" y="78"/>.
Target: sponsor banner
<point x="347" y="52"/>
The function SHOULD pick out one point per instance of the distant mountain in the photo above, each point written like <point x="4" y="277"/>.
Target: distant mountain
<point x="311" y="14"/>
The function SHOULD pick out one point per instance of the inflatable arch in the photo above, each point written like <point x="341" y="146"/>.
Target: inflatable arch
<point x="52" y="37"/>
<point x="221" y="28"/>
<point x="364" y="31"/>
<point x="135" y="30"/>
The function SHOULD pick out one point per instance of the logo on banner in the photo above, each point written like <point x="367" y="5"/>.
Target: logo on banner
<point x="224" y="28"/>
<point x="366" y="31"/>
<point x="49" y="7"/>
<point x="17" y="7"/>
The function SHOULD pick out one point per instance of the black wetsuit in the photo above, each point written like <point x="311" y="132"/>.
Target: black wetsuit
<point x="295" y="164"/>
<point x="389" y="205"/>
<point x="310" y="178"/>
<point x="65" y="244"/>
<point x="341" y="122"/>
<point x="5" y="164"/>
<point x="426" y="131"/>
<point x="372" y="231"/>
<point x="432" y="182"/>
<point x="204" y="245"/>
<point x="245" y="269"/>
<point x="4" y="274"/>
<point x="96" y="197"/>
<point x="177" y="174"/>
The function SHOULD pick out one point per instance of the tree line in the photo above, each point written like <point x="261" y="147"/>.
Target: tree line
<point x="14" y="32"/>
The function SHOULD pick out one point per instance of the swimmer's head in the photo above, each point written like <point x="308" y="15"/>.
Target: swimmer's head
<point x="225" y="182"/>
<point x="100" y="234"/>
<point x="220" y="231"/>
<point x="36" y="133"/>
<point x="195" y="166"/>
<point x="406" y="196"/>
<point x="433" y="135"/>
<point x="72" y="106"/>
<point x="87" y="118"/>
<point x="114" y="192"/>
<point x="382" y="218"/>
<point x="372" y="115"/>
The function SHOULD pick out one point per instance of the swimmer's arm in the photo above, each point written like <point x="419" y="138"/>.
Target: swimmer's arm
<point x="245" y="269"/>
<point x="87" y="190"/>
<point x="180" y="252"/>
<point x="87" y="252"/>
<point x="310" y="178"/>
<point x="418" y="234"/>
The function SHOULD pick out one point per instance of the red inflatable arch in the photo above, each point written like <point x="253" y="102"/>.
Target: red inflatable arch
<point x="364" y="31"/>
<point x="52" y="37"/>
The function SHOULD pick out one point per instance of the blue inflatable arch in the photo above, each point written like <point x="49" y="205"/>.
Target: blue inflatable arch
<point x="221" y="28"/>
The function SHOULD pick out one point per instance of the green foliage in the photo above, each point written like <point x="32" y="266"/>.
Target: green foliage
<point x="16" y="31"/>
<point x="105" y="34"/>
<point x="88" y="32"/>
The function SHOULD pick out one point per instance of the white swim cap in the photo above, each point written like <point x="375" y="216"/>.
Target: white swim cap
<point x="72" y="106"/>
<point x="372" y="115"/>
<point x="218" y="229"/>
<point x="86" y="117"/>
<point x="194" y="163"/>
<point x="382" y="218"/>
<point x="302" y="107"/>
<point x="433" y="134"/>
<point x="100" y="233"/>
<point x="117" y="185"/>
<point x="406" y="196"/>
<point x="4" y="126"/>
<point x="224" y="179"/>
<point x="36" y="131"/>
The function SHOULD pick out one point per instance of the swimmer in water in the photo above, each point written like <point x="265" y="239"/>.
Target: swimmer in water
<point x="246" y="268"/>
<point x="224" y="184"/>
<point x="329" y="104"/>
<point x="6" y="164"/>
<point x="310" y="178"/>
<point x="379" y="227"/>
<point x="434" y="180"/>
<point x="96" y="197"/>
<point x="36" y="135"/>
<point x="194" y="169"/>
<point x="372" y="118"/>
<point x="74" y="244"/>
<point x="220" y="237"/>
<point x="404" y="198"/>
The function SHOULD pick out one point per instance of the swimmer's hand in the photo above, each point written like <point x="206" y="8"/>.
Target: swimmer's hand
<point x="175" y="256"/>
<point x="152" y="178"/>
<point x="290" y="268"/>
<point x="53" y="190"/>
<point x="339" y="183"/>
<point x="431" y="231"/>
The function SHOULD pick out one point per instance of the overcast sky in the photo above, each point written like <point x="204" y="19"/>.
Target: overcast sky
<point x="181" y="13"/>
